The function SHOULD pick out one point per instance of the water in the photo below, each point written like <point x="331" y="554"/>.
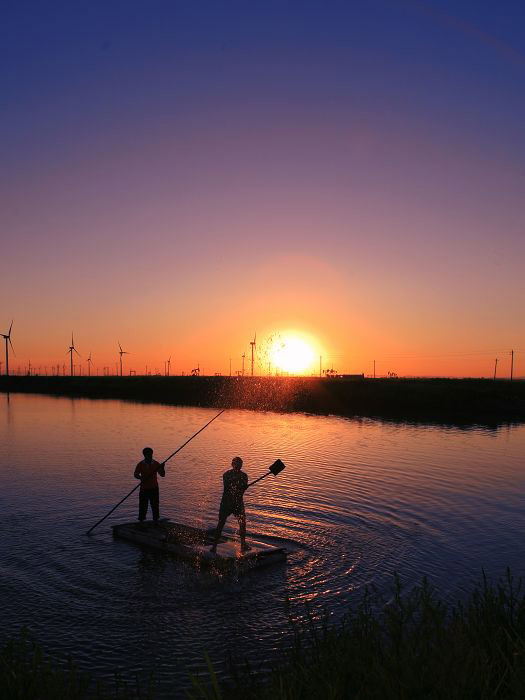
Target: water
<point x="359" y="499"/>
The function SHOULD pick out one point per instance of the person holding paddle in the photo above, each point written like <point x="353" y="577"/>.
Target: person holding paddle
<point x="232" y="503"/>
<point x="147" y="471"/>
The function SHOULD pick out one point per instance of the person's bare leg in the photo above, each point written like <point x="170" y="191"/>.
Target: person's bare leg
<point x="218" y="533"/>
<point x="242" y="531"/>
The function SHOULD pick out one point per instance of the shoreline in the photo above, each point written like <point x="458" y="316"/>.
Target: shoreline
<point x="463" y="402"/>
<point x="413" y="644"/>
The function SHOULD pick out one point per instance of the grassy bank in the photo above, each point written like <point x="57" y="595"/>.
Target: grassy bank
<point x="414" y="646"/>
<point x="27" y="673"/>
<point x="457" y="401"/>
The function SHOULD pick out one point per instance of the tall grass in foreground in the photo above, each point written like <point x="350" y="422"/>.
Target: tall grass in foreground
<point x="26" y="673"/>
<point x="415" y="646"/>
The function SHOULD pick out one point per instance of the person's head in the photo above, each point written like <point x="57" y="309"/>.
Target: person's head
<point x="148" y="454"/>
<point x="237" y="464"/>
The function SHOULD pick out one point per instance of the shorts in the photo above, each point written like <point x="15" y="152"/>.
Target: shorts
<point x="228" y="508"/>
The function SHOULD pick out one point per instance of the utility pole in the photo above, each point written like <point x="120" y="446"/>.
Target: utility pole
<point x="511" y="364"/>
<point x="495" y="368"/>
<point x="253" y="344"/>
<point x="243" y="356"/>
<point x="374" y="369"/>
<point x="320" y="365"/>
<point x="230" y="366"/>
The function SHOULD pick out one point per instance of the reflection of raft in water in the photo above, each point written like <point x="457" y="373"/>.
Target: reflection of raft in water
<point x="193" y="544"/>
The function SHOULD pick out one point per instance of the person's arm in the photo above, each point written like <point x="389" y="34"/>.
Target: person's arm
<point x="244" y="481"/>
<point x="161" y="471"/>
<point x="137" y="473"/>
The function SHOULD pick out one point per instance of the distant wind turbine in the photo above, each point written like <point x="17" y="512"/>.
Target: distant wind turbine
<point x="168" y="365"/>
<point x="71" y="350"/>
<point x="89" y="361"/>
<point x="8" y="343"/>
<point x="121" y="352"/>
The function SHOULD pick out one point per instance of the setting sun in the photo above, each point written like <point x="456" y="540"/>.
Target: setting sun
<point x="292" y="354"/>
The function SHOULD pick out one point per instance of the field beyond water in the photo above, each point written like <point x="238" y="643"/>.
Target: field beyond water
<point x="460" y="401"/>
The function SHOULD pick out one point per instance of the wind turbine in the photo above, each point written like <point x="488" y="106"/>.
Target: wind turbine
<point x="243" y="356"/>
<point x="71" y="350"/>
<point x="89" y="361"/>
<point x="121" y="352"/>
<point x="8" y="343"/>
<point x="168" y="365"/>
<point x="253" y="343"/>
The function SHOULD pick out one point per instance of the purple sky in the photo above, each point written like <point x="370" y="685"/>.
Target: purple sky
<point x="177" y="175"/>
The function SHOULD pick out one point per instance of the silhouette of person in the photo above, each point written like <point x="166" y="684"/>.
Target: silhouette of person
<point x="235" y="484"/>
<point x="147" y="471"/>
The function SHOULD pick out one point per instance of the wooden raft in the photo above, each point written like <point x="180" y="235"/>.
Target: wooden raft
<point x="193" y="544"/>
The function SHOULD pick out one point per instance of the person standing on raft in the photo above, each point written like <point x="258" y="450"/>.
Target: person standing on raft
<point x="147" y="471"/>
<point x="235" y="484"/>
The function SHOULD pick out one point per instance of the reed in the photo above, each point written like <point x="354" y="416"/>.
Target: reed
<point x="26" y="673"/>
<point x="414" y="646"/>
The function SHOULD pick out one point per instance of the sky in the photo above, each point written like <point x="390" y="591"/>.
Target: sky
<point x="177" y="176"/>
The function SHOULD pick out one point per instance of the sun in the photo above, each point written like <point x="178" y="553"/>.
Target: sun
<point x="291" y="353"/>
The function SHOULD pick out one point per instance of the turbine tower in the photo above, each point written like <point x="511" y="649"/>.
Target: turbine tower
<point x="253" y="343"/>
<point x="121" y="352"/>
<point x="243" y="356"/>
<point x="71" y="350"/>
<point x="168" y="365"/>
<point x="89" y="361"/>
<point x="8" y="343"/>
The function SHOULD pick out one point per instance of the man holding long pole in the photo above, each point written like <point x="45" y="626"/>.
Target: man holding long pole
<point x="147" y="471"/>
<point x="162" y="474"/>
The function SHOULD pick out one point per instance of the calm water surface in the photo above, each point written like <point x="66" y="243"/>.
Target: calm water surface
<point x="358" y="500"/>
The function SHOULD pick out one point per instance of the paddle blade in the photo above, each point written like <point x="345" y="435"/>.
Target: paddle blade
<point x="277" y="467"/>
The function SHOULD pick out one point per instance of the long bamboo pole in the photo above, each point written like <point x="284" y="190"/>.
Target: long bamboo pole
<point x="167" y="458"/>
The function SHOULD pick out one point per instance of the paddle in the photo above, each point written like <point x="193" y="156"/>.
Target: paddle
<point x="167" y="458"/>
<point x="276" y="468"/>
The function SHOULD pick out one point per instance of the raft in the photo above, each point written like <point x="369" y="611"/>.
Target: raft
<point x="193" y="545"/>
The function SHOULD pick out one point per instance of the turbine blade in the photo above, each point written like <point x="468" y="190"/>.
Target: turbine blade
<point x="119" y="346"/>
<point x="77" y="352"/>
<point x="10" y="328"/>
<point x="12" y="348"/>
